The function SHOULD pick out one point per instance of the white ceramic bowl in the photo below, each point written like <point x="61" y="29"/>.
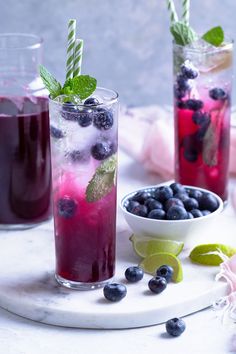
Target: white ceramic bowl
<point x="179" y="230"/>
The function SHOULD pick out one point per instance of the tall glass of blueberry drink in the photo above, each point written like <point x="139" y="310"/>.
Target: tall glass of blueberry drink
<point x="202" y="106"/>
<point x="25" y="169"/>
<point x="83" y="127"/>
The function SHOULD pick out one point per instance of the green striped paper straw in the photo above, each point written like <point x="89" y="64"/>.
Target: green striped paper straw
<point x="70" y="48"/>
<point x="173" y="13"/>
<point x="186" y="8"/>
<point x="78" y="53"/>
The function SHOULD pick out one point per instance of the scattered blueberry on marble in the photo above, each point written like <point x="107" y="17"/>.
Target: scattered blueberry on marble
<point x="114" y="292"/>
<point x="166" y="272"/>
<point x="157" y="284"/>
<point x="134" y="274"/>
<point x="103" y="119"/>
<point x="175" y="327"/>
<point x="56" y="133"/>
<point x="101" y="150"/>
<point x="66" y="207"/>
<point x="157" y="214"/>
<point x="218" y="94"/>
<point x="91" y="101"/>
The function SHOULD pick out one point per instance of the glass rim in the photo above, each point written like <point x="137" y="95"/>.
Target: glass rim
<point x="109" y="101"/>
<point x="38" y="41"/>
<point x="213" y="49"/>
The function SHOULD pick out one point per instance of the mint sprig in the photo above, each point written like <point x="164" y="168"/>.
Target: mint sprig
<point x="214" y="36"/>
<point x="83" y="86"/>
<point x="182" y="33"/>
<point x="53" y="86"/>
<point x="102" y="181"/>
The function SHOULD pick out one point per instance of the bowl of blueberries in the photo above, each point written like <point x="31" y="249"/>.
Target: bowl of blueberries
<point x="170" y="210"/>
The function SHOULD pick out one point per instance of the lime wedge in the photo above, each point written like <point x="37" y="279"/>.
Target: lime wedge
<point x="209" y="254"/>
<point x="147" y="246"/>
<point x="151" y="263"/>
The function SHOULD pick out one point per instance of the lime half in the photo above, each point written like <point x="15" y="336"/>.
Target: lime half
<point x="209" y="254"/>
<point x="151" y="263"/>
<point x="147" y="246"/>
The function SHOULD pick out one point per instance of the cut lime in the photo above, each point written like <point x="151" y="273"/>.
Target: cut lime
<point x="209" y="254"/>
<point x="151" y="263"/>
<point x="147" y="246"/>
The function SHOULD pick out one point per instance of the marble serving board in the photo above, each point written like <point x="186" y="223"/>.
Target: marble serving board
<point x="28" y="287"/>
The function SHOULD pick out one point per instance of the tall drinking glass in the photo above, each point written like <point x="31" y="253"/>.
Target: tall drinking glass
<point x="84" y="149"/>
<point x="25" y="172"/>
<point x="202" y="90"/>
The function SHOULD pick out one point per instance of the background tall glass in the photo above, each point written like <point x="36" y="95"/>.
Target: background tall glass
<point x="85" y="231"/>
<point x="202" y="115"/>
<point x="25" y="182"/>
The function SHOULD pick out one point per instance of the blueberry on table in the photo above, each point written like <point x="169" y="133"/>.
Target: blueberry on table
<point x="103" y="119"/>
<point x="218" y="94"/>
<point x="193" y="104"/>
<point x="162" y="194"/>
<point x="157" y="284"/>
<point x="158" y="214"/>
<point x="69" y="111"/>
<point x="134" y="274"/>
<point x="114" y="291"/>
<point x="101" y="150"/>
<point x="208" y="202"/>
<point x="196" y="213"/>
<point x="132" y="204"/>
<point x="91" y="101"/>
<point x="173" y="201"/>
<point x="175" y="327"/>
<point x="152" y="203"/>
<point x="140" y="210"/>
<point x="85" y="118"/>
<point x="189" y="71"/>
<point x="141" y="196"/>
<point x="177" y="187"/>
<point x="176" y="213"/>
<point x="191" y="203"/>
<point x="166" y="272"/>
<point x="66" y="207"/>
<point x="56" y="133"/>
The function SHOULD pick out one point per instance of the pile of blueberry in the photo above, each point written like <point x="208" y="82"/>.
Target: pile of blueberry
<point x="174" y="202"/>
<point x="192" y="144"/>
<point x="91" y="114"/>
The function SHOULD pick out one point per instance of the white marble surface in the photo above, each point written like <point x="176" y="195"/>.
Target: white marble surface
<point x="204" y="332"/>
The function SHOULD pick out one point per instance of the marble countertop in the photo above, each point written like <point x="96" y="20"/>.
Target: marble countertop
<point x="204" y="331"/>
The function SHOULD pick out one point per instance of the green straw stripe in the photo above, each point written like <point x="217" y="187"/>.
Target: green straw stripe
<point x="173" y="13"/>
<point x="70" y="48"/>
<point x="186" y="8"/>
<point x="78" y="54"/>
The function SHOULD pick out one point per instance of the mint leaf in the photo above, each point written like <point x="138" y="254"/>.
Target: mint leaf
<point x="182" y="33"/>
<point x="103" y="180"/>
<point x="214" y="36"/>
<point x="82" y="85"/>
<point x="53" y="86"/>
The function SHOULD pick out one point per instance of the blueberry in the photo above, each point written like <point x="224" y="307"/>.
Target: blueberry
<point x="192" y="146"/>
<point x="78" y="156"/>
<point x="114" y="291"/>
<point x="69" y="111"/>
<point x="191" y="203"/>
<point x="190" y="216"/>
<point x="218" y="94"/>
<point x="208" y="202"/>
<point x="195" y="193"/>
<point x="191" y="155"/>
<point x="181" y="104"/>
<point x="201" y="117"/>
<point x="102" y="150"/>
<point x="173" y="201"/>
<point x="141" y="196"/>
<point x="205" y="212"/>
<point x="56" y="133"/>
<point x="193" y="104"/>
<point x="163" y="193"/>
<point x="181" y="196"/>
<point x="66" y="207"/>
<point x="183" y="83"/>
<point x="175" y="327"/>
<point x="176" y="213"/>
<point x="132" y="204"/>
<point x="134" y="274"/>
<point x="140" y="210"/>
<point x="103" y="119"/>
<point x="91" y="101"/>
<point x="157" y="214"/>
<point x="188" y="70"/>
<point x="196" y="213"/>
<point x="166" y="272"/>
<point x="178" y="93"/>
<point x="177" y="187"/>
<point x="85" y="118"/>
<point x="157" y="284"/>
<point x="152" y="203"/>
